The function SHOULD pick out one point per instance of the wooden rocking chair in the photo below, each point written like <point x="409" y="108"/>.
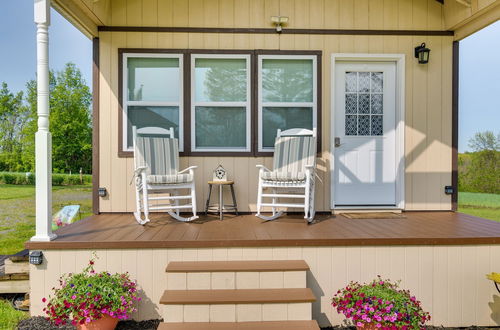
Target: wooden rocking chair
<point x="294" y="165"/>
<point x="156" y="159"/>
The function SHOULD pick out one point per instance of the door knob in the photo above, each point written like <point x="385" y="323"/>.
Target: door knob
<point x="337" y="142"/>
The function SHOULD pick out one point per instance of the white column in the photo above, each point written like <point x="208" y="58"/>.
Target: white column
<point x="43" y="139"/>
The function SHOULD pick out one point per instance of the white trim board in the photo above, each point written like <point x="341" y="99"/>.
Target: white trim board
<point x="399" y="59"/>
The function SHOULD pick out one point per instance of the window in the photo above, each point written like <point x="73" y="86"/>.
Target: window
<point x="152" y="94"/>
<point x="220" y="102"/>
<point x="364" y="103"/>
<point x="287" y="92"/>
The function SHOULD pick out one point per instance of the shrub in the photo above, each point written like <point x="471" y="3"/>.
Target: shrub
<point x="479" y="172"/>
<point x="57" y="179"/>
<point x="89" y="295"/>
<point x="382" y="303"/>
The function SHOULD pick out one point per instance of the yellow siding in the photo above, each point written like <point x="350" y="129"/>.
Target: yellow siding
<point x="480" y="14"/>
<point x="449" y="280"/>
<point x="428" y="87"/>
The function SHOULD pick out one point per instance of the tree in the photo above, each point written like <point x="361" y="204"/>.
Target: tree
<point x="485" y="141"/>
<point x="13" y="118"/>
<point x="70" y="122"/>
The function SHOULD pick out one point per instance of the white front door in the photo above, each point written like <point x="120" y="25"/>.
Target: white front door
<point x="365" y="145"/>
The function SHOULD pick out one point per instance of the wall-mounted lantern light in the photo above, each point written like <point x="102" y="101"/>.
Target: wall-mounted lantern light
<point x="422" y="53"/>
<point x="279" y="22"/>
<point x="36" y="257"/>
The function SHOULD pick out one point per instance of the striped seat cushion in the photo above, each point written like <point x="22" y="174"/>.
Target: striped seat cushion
<point x="170" y="178"/>
<point x="291" y="155"/>
<point x="161" y="157"/>
<point x="284" y="176"/>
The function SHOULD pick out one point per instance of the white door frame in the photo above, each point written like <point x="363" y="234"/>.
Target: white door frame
<point x="399" y="59"/>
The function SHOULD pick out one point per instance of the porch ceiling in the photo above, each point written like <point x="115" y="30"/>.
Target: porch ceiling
<point x="463" y="16"/>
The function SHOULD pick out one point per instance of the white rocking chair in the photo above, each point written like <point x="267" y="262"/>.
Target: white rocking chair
<point x="156" y="159"/>
<point x="294" y="165"/>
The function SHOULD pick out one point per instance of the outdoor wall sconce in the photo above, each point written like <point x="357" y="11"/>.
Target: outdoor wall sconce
<point x="36" y="257"/>
<point x="422" y="53"/>
<point x="279" y="21"/>
<point x="102" y="192"/>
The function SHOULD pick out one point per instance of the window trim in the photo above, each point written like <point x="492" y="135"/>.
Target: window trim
<point x="186" y="102"/>
<point x="125" y="103"/>
<point x="261" y="104"/>
<point x="247" y="104"/>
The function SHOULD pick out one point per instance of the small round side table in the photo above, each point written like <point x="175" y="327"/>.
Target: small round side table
<point x="220" y="208"/>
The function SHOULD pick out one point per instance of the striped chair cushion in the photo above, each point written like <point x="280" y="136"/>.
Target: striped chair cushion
<point x="284" y="176"/>
<point x="291" y="155"/>
<point x="169" y="178"/>
<point x="159" y="154"/>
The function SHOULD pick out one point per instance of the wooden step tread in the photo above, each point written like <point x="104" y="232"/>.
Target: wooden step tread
<point x="269" y="325"/>
<point x="236" y="266"/>
<point x="238" y="296"/>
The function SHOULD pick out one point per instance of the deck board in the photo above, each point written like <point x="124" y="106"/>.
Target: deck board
<point x="115" y="230"/>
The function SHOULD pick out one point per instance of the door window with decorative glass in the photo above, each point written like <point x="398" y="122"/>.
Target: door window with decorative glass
<point x="220" y="102"/>
<point x="152" y="94"/>
<point x="287" y="95"/>
<point x="364" y="103"/>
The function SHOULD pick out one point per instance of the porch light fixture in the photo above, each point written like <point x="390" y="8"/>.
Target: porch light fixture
<point x="36" y="257"/>
<point x="102" y="192"/>
<point x="422" y="53"/>
<point x="279" y="21"/>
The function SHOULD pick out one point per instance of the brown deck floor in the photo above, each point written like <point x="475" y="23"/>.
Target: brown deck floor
<point x="417" y="228"/>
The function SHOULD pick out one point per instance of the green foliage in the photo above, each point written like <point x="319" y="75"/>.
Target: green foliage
<point x="13" y="119"/>
<point x="70" y="124"/>
<point x="89" y="295"/>
<point x="57" y="179"/>
<point x="479" y="172"/>
<point x="9" y="317"/>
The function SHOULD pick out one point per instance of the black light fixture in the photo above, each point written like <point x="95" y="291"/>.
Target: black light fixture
<point x="422" y="53"/>
<point x="36" y="257"/>
<point x="102" y="192"/>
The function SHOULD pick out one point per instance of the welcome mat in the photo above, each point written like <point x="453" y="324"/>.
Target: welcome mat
<point x="373" y="215"/>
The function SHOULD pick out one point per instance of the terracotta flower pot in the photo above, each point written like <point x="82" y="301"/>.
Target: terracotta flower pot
<point x="368" y="326"/>
<point x="104" y="323"/>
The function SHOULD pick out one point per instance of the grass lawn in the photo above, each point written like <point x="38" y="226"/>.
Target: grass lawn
<point x="17" y="211"/>
<point x="9" y="317"/>
<point x="481" y="205"/>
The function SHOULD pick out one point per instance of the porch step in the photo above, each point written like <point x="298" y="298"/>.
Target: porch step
<point x="239" y="296"/>
<point x="227" y="275"/>
<point x="270" y="325"/>
<point x="236" y="266"/>
<point x="253" y="292"/>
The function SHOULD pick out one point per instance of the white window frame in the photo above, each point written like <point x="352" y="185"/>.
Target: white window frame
<point x="262" y="105"/>
<point x="246" y="104"/>
<point x="126" y="103"/>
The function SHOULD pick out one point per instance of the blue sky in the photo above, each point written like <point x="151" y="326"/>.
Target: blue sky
<point x="479" y="64"/>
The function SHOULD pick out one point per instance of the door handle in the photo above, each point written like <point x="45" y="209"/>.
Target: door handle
<point x="337" y="142"/>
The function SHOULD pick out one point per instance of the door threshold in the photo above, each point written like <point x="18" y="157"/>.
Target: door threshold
<point x="350" y="209"/>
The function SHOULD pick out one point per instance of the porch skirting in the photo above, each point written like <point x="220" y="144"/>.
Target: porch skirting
<point x="448" y="279"/>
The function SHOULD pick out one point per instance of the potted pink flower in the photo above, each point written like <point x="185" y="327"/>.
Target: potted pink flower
<point x="91" y="300"/>
<point x="380" y="304"/>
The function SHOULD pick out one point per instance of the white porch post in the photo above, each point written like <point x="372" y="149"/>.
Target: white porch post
<point x="43" y="139"/>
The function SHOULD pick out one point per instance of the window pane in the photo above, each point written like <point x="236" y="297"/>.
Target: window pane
<point x="221" y="127"/>
<point x="220" y="80"/>
<point x="283" y="118"/>
<point x="153" y="79"/>
<point x="144" y="116"/>
<point x="287" y="80"/>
